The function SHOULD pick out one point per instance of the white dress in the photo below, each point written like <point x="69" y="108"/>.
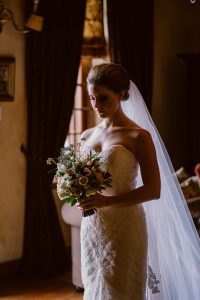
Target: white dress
<point x="114" y="240"/>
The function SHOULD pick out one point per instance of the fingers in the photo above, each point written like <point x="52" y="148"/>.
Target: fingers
<point x="85" y="205"/>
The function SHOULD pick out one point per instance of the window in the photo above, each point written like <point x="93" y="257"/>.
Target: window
<point x="94" y="45"/>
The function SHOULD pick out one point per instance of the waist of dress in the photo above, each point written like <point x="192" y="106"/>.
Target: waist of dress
<point x="123" y="210"/>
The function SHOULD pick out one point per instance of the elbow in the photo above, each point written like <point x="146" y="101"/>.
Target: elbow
<point x="157" y="196"/>
<point x="155" y="192"/>
<point x="152" y="191"/>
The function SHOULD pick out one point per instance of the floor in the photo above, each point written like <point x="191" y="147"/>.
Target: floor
<point x="59" y="288"/>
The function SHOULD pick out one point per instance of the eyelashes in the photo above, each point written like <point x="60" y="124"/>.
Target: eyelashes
<point x="99" y="98"/>
<point x="103" y="98"/>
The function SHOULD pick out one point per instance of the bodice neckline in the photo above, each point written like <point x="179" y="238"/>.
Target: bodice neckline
<point x="112" y="146"/>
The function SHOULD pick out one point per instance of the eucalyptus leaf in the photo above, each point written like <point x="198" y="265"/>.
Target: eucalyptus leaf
<point x="71" y="198"/>
<point x="73" y="202"/>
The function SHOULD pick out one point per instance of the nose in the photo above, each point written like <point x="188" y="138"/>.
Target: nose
<point x="96" y="103"/>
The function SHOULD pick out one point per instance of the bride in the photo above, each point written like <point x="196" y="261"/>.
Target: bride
<point x="141" y="243"/>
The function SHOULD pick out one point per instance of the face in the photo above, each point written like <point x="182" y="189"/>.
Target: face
<point x="104" y="101"/>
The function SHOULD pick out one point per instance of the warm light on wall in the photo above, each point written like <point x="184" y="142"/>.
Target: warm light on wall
<point x="94" y="43"/>
<point x="35" y="22"/>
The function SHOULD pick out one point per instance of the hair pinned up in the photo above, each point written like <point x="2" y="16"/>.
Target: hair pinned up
<point x="113" y="76"/>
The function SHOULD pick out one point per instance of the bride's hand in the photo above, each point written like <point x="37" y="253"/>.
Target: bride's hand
<point x="96" y="201"/>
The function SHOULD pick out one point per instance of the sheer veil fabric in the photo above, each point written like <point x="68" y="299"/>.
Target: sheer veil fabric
<point x="173" y="242"/>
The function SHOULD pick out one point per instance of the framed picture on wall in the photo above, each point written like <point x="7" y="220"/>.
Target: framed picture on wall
<point x="7" y="78"/>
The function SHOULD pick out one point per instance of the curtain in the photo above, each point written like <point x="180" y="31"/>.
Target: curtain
<point x="130" y="27"/>
<point x="52" y="62"/>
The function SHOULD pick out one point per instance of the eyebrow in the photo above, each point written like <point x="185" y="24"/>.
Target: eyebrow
<point x="103" y="94"/>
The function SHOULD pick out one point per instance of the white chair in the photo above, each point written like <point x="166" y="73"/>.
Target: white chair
<point x="72" y="216"/>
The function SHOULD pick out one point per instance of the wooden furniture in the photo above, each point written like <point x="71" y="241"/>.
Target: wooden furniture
<point x="194" y="207"/>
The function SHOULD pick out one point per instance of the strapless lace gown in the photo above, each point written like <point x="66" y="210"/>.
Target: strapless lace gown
<point x="114" y="240"/>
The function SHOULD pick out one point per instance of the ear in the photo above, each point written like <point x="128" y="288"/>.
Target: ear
<point x="121" y="95"/>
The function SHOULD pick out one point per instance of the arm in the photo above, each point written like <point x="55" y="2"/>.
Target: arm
<point x="54" y="183"/>
<point x="146" y="155"/>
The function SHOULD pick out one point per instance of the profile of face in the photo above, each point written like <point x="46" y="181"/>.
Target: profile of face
<point x="104" y="101"/>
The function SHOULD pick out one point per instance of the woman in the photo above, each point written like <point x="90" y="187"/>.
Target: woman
<point x="126" y="236"/>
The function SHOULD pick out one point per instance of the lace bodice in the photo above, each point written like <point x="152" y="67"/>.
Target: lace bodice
<point x="114" y="240"/>
<point x="123" y="166"/>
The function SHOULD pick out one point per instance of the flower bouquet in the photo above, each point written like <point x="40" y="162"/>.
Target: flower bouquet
<point x="79" y="175"/>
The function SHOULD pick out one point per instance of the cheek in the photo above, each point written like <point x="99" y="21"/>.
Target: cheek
<point x="114" y="105"/>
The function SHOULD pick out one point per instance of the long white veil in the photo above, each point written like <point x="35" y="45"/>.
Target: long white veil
<point x="173" y="242"/>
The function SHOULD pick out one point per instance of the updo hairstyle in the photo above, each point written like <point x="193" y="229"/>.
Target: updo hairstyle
<point x="111" y="75"/>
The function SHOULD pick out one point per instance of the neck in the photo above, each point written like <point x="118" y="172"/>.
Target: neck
<point x="117" y="119"/>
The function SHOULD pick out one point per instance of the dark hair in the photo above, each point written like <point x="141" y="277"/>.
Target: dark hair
<point x="113" y="76"/>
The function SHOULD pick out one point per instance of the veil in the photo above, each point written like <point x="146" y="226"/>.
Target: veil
<point x="173" y="242"/>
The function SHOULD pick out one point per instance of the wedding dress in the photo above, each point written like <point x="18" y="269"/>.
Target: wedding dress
<point x="153" y="246"/>
<point x="114" y="240"/>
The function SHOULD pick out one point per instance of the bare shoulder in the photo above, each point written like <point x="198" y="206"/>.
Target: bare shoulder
<point x="142" y="134"/>
<point x="139" y="134"/>
<point x="135" y="132"/>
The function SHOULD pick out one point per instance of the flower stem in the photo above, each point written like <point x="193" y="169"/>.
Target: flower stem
<point x="88" y="212"/>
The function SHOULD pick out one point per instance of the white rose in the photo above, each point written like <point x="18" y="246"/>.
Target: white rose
<point x="66" y="152"/>
<point x="63" y="183"/>
<point x="66" y="182"/>
<point x="61" y="168"/>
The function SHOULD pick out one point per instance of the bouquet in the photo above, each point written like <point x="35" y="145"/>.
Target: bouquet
<point x="79" y="175"/>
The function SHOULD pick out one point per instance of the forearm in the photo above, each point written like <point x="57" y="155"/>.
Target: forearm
<point x="133" y="197"/>
<point x="136" y="196"/>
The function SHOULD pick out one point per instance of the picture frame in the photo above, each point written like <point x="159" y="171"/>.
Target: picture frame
<point x="7" y="78"/>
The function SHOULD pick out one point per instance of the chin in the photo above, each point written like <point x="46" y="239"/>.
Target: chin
<point x="102" y="115"/>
